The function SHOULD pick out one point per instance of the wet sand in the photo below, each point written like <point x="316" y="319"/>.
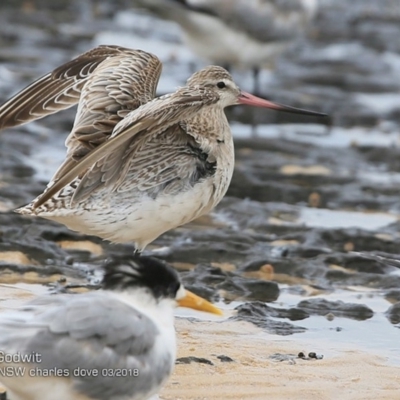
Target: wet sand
<point x="347" y="374"/>
<point x="351" y="374"/>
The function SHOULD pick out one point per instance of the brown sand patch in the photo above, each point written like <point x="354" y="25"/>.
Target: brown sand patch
<point x="182" y="266"/>
<point x="10" y="277"/>
<point x="317" y="170"/>
<point x="85" y="245"/>
<point x="15" y="257"/>
<point x="224" y="266"/>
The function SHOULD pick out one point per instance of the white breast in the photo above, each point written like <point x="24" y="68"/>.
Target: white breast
<point x="126" y="218"/>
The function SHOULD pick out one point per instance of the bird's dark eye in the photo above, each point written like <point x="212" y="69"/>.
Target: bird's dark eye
<point x="221" y="85"/>
<point x="174" y="287"/>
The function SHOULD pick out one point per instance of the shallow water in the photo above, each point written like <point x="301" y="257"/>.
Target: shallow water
<point x="376" y="334"/>
<point x="322" y="218"/>
<point x="330" y="337"/>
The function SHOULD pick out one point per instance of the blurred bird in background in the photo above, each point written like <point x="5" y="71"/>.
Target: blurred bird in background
<point x="244" y="34"/>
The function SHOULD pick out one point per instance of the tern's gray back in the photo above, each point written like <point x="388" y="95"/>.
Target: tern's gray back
<point x="93" y="332"/>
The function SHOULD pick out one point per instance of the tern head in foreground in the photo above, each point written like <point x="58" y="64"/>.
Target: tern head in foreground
<point x="136" y="166"/>
<point x="117" y="343"/>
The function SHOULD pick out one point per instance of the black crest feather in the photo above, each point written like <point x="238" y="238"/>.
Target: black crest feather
<point x="126" y="272"/>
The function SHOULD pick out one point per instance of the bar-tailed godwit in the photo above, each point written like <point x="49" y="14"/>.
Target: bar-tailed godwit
<point x="136" y="166"/>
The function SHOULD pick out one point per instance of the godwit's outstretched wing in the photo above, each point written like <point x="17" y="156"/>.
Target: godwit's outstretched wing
<point x="57" y="90"/>
<point x="108" y="82"/>
<point x="109" y="163"/>
<point x="120" y="84"/>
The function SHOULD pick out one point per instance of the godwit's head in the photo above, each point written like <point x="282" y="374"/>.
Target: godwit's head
<point x="220" y="80"/>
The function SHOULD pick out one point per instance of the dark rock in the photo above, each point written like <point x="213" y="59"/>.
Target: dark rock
<point x="358" y="262"/>
<point x="393" y="295"/>
<point x="190" y="359"/>
<point x="258" y="289"/>
<point x="258" y="313"/>
<point x="282" y="357"/>
<point x="210" y="246"/>
<point x="393" y="313"/>
<point x="387" y="281"/>
<point x="362" y="240"/>
<point x="205" y="274"/>
<point x="338" y="308"/>
<point x="309" y="251"/>
<point x="225" y="358"/>
<point x="358" y="279"/>
<point x="311" y="355"/>
<point x="232" y="287"/>
<point x="261" y="309"/>
<point x="315" y="355"/>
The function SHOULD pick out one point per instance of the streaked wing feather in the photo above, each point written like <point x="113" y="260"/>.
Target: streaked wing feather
<point x="120" y="85"/>
<point x="150" y="119"/>
<point x="54" y="91"/>
<point x="111" y="171"/>
<point x="156" y="165"/>
<point x="74" y="169"/>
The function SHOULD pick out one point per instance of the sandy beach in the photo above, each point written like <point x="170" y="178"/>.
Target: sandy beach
<point x="253" y="373"/>
<point x="351" y="374"/>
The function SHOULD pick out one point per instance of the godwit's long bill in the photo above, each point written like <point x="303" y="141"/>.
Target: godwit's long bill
<point x="136" y="166"/>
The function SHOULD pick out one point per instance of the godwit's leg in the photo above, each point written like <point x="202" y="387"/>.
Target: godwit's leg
<point x="256" y="81"/>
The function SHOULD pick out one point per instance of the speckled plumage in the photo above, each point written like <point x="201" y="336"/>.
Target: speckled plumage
<point x="136" y="166"/>
<point x="153" y="164"/>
